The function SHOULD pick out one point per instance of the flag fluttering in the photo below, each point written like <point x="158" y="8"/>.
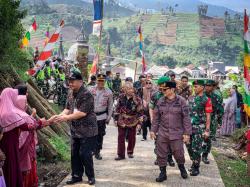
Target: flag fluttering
<point x="47" y="35"/>
<point x="47" y="51"/>
<point x="98" y="16"/>
<point x="141" y="49"/>
<point x="26" y="39"/>
<point x="93" y="70"/>
<point x="246" y="64"/>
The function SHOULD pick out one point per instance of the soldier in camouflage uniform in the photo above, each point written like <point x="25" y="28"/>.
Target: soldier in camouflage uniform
<point x="154" y="99"/>
<point x="200" y="113"/>
<point x="216" y="118"/>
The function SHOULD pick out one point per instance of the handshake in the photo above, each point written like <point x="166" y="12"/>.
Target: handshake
<point x="58" y="118"/>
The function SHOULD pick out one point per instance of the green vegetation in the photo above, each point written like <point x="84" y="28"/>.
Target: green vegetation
<point x="62" y="147"/>
<point x="233" y="172"/>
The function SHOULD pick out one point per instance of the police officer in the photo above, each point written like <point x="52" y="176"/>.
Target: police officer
<point x="173" y="125"/>
<point x="216" y="117"/>
<point x="80" y="113"/>
<point x="200" y="113"/>
<point x="154" y="99"/>
<point x="103" y="108"/>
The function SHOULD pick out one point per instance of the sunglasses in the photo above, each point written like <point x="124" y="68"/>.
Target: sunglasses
<point x="100" y="80"/>
<point x="165" y="89"/>
<point x="148" y="82"/>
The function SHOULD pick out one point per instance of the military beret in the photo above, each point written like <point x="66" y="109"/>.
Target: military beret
<point x="162" y="80"/>
<point x="199" y="82"/>
<point x="169" y="84"/>
<point x="101" y="77"/>
<point x="210" y="82"/>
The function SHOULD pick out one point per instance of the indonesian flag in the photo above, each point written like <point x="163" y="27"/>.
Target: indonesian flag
<point x="47" y="51"/>
<point x="246" y="29"/>
<point x="26" y="38"/>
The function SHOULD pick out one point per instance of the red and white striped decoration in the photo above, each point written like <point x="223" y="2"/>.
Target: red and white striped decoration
<point x="48" y="49"/>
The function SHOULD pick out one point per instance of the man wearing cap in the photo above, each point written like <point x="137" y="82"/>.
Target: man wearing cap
<point x="154" y="99"/>
<point x="172" y="123"/>
<point x="216" y="117"/>
<point x="103" y="108"/>
<point x="200" y="113"/>
<point x="80" y="113"/>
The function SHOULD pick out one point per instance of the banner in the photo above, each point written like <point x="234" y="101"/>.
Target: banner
<point x="98" y="16"/>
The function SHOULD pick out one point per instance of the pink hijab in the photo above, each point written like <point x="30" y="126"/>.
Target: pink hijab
<point x="10" y="116"/>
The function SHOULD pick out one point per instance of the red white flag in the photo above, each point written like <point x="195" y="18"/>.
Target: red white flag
<point x="48" y="49"/>
<point x="246" y="28"/>
<point x="143" y="64"/>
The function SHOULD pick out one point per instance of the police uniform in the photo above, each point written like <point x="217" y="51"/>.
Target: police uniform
<point x="103" y="109"/>
<point x="154" y="99"/>
<point x="83" y="132"/>
<point x="171" y="122"/>
<point x="216" y="118"/>
<point x="199" y="106"/>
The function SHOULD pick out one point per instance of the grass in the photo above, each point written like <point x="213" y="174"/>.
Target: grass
<point x="233" y="172"/>
<point x="62" y="147"/>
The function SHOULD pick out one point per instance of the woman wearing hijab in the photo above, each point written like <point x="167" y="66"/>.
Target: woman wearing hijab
<point x="13" y="120"/>
<point x="229" y="118"/>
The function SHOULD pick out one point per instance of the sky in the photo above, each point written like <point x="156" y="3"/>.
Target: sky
<point x="238" y="5"/>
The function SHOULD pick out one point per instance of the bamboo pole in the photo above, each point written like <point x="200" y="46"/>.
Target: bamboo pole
<point x="136" y="64"/>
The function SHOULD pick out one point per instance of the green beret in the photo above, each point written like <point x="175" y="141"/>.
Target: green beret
<point x="162" y="80"/>
<point x="169" y="84"/>
<point x="210" y="82"/>
<point x="199" y="82"/>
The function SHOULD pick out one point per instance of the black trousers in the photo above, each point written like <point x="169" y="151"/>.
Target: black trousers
<point x="101" y="133"/>
<point x="81" y="156"/>
<point x="146" y="125"/>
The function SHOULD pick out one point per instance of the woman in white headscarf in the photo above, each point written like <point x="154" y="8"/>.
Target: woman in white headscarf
<point x="229" y="118"/>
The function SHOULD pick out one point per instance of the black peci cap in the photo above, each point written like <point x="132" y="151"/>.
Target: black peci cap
<point x="75" y="75"/>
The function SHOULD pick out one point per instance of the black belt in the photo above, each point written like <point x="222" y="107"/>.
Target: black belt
<point x="100" y="113"/>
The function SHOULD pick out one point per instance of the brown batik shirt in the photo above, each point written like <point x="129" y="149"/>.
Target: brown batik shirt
<point x="82" y="101"/>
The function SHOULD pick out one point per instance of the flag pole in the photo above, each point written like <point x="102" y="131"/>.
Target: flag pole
<point x="99" y="50"/>
<point x="136" y="64"/>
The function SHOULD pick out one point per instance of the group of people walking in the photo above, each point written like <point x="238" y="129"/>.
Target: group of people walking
<point x="173" y="112"/>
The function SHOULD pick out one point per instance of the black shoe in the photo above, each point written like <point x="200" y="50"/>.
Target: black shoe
<point x="205" y="159"/>
<point x="163" y="175"/>
<point x="119" y="158"/>
<point x="130" y="155"/>
<point x="74" y="180"/>
<point x="170" y="161"/>
<point x="98" y="156"/>
<point x="91" y="181"/>
<point x="195" y="171"/>
<point x="191" y="168"/>
<point x="183" y="171"/>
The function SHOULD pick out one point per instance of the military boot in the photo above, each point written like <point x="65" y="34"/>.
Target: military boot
<point x="183" y="171"/>
<point x="191" y="168"/>
<point x="171" y="161"/>
<point x="196" y="170"/>
<point x="205" y="159"/>
<point x="163" y="174"/>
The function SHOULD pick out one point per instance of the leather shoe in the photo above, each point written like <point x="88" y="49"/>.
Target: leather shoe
<point x="98" y="156"/>
<point x="91" y="181"/>
<point x="74" y="180"/>
<point x="130" y="156"/>
<point x="119" y="158"/>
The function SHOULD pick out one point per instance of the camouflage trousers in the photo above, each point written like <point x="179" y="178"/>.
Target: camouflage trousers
<point x="207" y="144"/>
<point x="195" y="147"/>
